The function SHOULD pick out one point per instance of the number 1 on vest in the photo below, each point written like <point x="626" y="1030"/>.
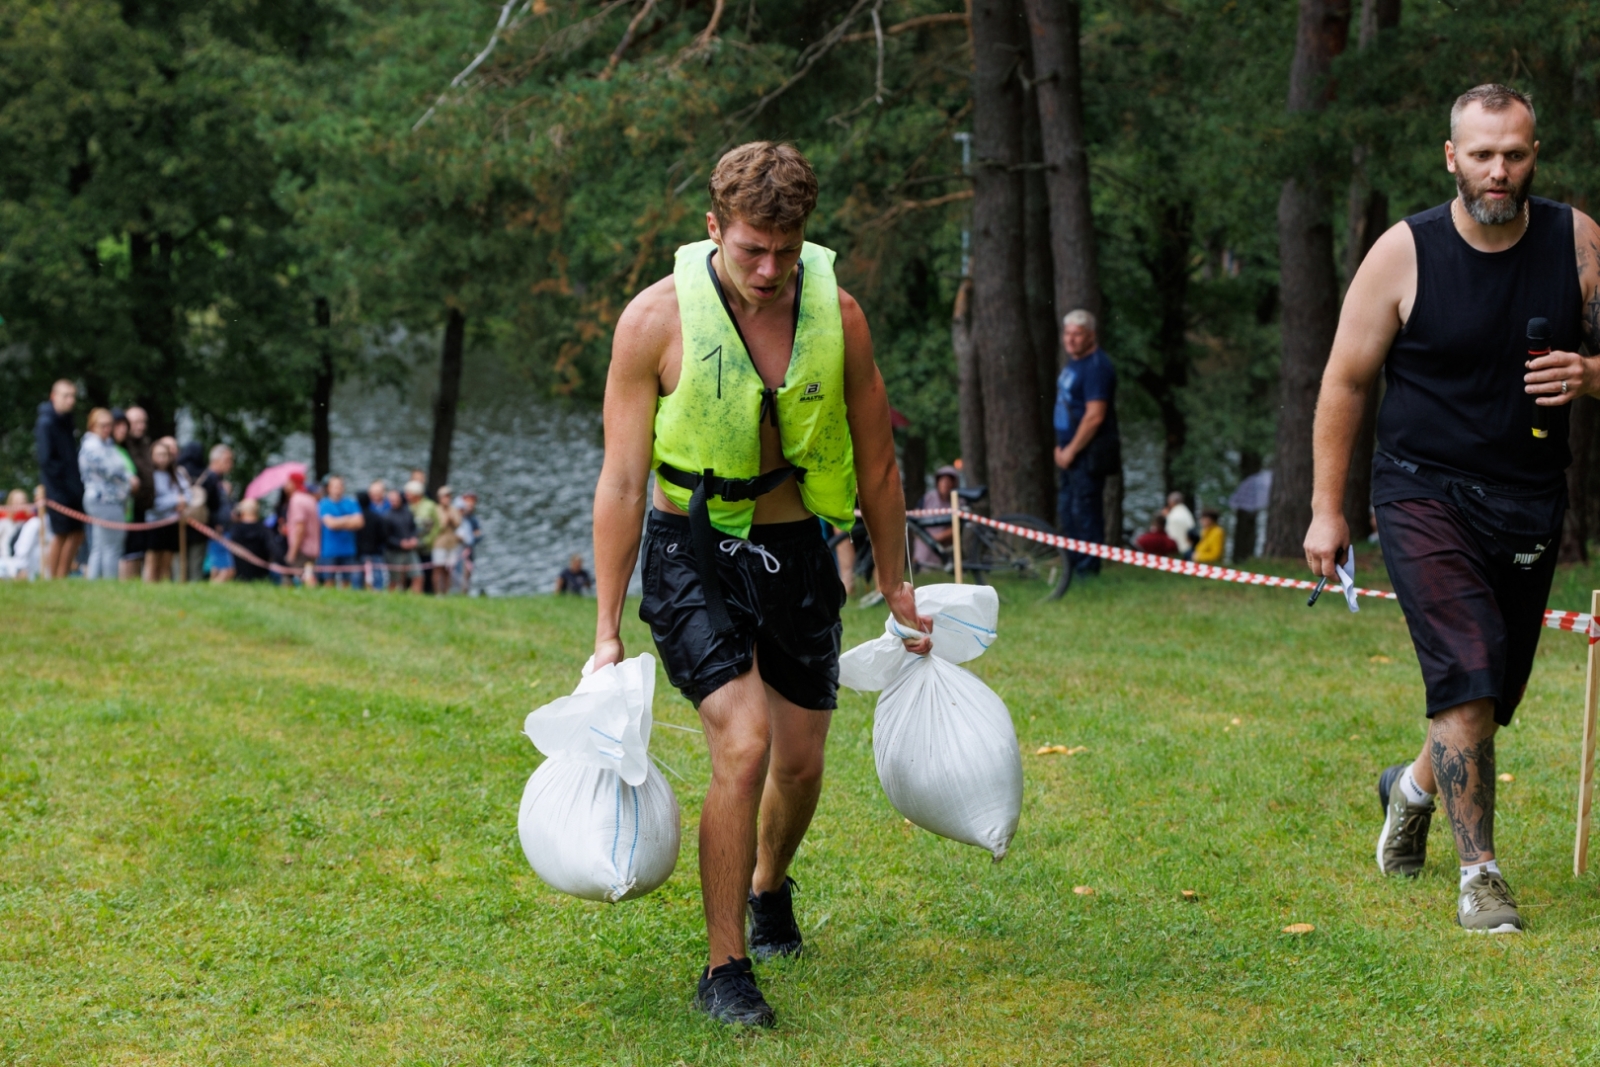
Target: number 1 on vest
<point x="718" y="353"/>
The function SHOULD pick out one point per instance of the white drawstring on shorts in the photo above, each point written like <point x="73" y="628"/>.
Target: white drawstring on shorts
<point x="732" y="546"/>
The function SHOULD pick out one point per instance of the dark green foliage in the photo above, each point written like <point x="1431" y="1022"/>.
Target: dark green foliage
<point x="144" y="251"/>
<point x="180" y="182"/>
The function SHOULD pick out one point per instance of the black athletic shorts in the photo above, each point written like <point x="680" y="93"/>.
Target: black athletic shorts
<point x="62" y="525"/>
<point x="783" y="594"/>
<point x="1475" y="616"/>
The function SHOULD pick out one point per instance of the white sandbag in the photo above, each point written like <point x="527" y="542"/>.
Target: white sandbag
<point x="590" y="834"/>
<point x="597" y="820"/>
<point x="943" y="741"/>
<point x="964" y="618"/>
<point x="947" y="754"/>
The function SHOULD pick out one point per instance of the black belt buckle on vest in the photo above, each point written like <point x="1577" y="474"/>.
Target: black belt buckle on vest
<point x="703" y="535"/>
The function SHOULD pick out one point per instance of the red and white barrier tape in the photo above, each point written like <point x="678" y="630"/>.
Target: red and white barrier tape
<point x="233" y="547"/>
<point x="1578" y="622"/>
<point x="281" y="568"/>
<point x="107" y="523"/>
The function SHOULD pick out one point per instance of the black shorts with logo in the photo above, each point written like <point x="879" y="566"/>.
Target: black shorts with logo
<point x="782" y="592"/>
<point x="1475" y="615"/>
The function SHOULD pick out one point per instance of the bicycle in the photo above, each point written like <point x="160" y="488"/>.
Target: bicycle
<point x="989" y="556"/>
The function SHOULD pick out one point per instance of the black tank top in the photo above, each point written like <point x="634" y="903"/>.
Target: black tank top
<point x="1454" y="373"/>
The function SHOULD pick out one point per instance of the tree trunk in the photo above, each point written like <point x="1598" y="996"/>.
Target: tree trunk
<point x="1058" y="75"/>
<point x="1368" y="218"/>
<point x="155" y="326"/>
<point x="1043" y="327"/>
<point x="974" y="447"/>
<point x="1244" y="522"/>
<point x="1111" y="500"/>
<point x="444" y="407"/>
<point x="1583" y="436"/>
<point x="914" y="465"/>
<point x="1309" y="284"/>
<point x="1169" y="274"/>
<point x="322" y="394"/>
<point x="1000" y="306"/>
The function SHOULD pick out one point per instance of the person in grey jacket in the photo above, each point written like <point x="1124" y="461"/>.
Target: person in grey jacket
<point x="106" y="486"/>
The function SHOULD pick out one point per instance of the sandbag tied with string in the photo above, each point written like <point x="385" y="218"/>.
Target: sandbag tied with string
<point x="598" y="820"/>
<point x="943" y="741"/>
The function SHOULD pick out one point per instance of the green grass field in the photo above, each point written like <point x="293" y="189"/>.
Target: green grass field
<point x="253" y="826"/>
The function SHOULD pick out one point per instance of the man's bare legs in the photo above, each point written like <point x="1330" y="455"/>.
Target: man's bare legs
<point x="738" y="733"/>
<point x="63" y="552"/>
<point x="794" y="782"/>
<point x="766" y="759"/>
<point x="1457" y="763"/>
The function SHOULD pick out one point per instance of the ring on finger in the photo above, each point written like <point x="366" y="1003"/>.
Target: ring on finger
<point x="1563" y="387"/>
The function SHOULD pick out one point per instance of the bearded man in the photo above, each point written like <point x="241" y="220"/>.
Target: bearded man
<point x="1468" y="482"/>
<point x="746" y="381"/>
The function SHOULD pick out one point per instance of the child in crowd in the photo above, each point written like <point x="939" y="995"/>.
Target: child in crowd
<point x="1155" y="540"/>
<point x="574" y="581"/>
<point x="1212" y="538"/>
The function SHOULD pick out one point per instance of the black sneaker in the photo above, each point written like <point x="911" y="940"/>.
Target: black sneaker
<point x="773" y="931"/>
<point x="729" y="995"/>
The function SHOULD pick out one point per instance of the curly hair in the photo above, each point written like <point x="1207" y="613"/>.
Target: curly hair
<point x="765" y="183"/>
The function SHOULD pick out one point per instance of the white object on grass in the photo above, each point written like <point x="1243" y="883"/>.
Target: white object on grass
<point x="943" y="741"/>
<point x="598" y="820"/>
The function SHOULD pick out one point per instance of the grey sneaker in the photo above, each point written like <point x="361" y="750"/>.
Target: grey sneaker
<point x="1486" y="906"/>
<point x="1403" y="844"/>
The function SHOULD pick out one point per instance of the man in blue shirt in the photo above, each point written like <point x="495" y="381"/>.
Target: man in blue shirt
<point x="1088" y="446"/>
<point x="341" y="518"/>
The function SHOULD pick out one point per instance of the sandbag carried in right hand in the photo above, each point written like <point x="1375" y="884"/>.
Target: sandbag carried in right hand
<point x="597" y="819"/>
<point x="943" y="741"/>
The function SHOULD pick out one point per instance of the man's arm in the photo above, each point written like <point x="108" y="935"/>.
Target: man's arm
<point x="1367" y="327"/>
<point x="633" y="383"/>
<point x="1094" y="413"/>
<point x="883" y="501"/>
<point x="1580" y="373"/>
<point x="297" y="533"/>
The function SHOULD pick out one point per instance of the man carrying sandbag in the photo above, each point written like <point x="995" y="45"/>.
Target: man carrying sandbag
<point x="746" y="381"/>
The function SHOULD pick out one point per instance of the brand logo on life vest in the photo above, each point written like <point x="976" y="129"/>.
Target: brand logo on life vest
<point x="812" y="391"/>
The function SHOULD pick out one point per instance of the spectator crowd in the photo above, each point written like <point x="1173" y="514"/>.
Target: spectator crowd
<point x="126" y="490"/>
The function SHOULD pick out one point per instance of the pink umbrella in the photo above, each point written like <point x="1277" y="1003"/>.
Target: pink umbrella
<point x="272" y="478"/>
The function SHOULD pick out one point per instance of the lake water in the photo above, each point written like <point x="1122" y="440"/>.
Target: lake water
<point x="534" y="463"/>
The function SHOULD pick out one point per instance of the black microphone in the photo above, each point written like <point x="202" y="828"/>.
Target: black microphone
<point x="1539" y="345"/>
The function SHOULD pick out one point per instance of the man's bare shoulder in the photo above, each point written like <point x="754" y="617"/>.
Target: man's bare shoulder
<point x="853" y="319"/>
<point x="645" y="330"/>
<point x="1394" y="248"/>
<point x="1586" y="240"/>
<point x="1389" y="269"/>
<point x="653" y="312"/>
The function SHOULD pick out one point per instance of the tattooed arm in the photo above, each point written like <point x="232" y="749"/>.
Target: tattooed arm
<point x="1581" y="374"/>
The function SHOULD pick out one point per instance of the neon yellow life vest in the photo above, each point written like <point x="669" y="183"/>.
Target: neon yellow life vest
<point x="712" y="421"/>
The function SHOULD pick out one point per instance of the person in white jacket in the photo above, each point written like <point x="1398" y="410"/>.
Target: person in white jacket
<point x="1180" y="523"/>
<point x="106" y="487"/>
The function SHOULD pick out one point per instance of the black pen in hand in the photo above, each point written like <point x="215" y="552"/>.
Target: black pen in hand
<point x="1322" y="583"/>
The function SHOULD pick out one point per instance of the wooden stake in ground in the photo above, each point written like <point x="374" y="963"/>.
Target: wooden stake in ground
<point x="40" y="510"/>
<point x="1591" y="695"/>
<point x="955" y="529"/>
